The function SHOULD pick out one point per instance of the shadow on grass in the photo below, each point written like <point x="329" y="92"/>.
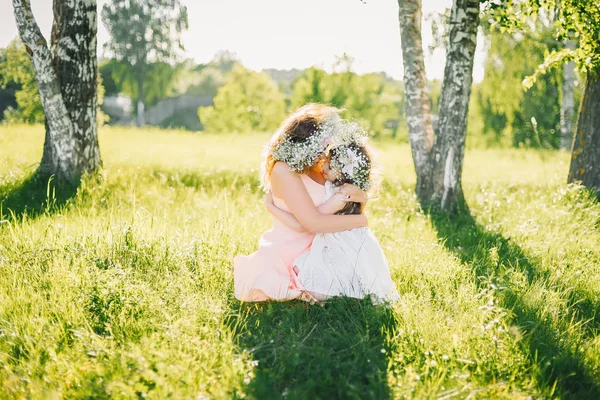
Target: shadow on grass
<point x="306" y="351"/>
<point x="34" y="196"/>
<point x="493" y="256"/>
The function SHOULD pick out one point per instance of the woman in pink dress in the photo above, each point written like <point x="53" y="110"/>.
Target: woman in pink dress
<point x="297" y="187"/>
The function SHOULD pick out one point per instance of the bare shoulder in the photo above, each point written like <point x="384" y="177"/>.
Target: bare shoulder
<point x="282" y="170"/>
<point x="283" y="179"/>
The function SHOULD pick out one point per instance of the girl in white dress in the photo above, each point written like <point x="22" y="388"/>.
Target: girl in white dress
<point x="348" y="263"/>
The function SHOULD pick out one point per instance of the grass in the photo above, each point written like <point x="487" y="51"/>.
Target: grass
<point x="123" y="288"/>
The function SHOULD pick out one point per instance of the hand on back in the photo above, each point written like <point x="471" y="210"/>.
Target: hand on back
<point x="352" y="193"/>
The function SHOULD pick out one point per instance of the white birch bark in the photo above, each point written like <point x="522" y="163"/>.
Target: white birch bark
<point x="438" y="161"/>
<point x="74" y="47"/>
<point x="449" y="146"/>
<point x="418" y="109"/>
<point x="567" y="106"/>
<point x="66" y="76"/>
<point x="58" y="124"/>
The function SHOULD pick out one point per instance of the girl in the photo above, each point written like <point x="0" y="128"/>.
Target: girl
<point x="292" y="172"/>
<point x="349" y="263"/>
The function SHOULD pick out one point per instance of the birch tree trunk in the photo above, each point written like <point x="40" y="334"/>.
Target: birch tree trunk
<point x="585" y="157"/>
<point x="74" y="46"/>
<point x="438" y="161"/>
<point x="66" y="76"/>
<point x="418" y="109"/>
<point x="59" y="149"/>
<point x="567" y="106"/>
<point x="449" y="145"/>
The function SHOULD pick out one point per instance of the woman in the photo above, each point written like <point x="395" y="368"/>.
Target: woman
<point x="297" y="187"/>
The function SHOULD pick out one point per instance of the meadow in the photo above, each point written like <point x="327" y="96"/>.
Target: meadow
<point x="124" y="287"/>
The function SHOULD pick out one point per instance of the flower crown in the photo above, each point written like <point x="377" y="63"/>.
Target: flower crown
<point x="333" y="132"/>
<point x="299" y="155"/>
<point x="350" y="162"/>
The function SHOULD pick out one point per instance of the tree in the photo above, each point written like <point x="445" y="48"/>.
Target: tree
<point x="531" y="117"/>
<point x="67" y="79"/>
<point x="576" y="19"/>
<point x="248" y="102"/>
<point x="141" y="33"/>
<point x="158" y="83"/>
<point x="310" y="87"/>
<point x="16" y="70"/>
<point x="225" y="60"/>
<point x="583" y="17"/>
<point x="370" y="97"/>
<point x="567" y="107"/>
<point x="439" y="159"/>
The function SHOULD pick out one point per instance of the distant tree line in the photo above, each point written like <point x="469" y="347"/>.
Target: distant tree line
<point x="502" y="112"/>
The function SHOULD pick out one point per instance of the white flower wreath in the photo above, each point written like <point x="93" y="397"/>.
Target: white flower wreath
<point x="333" y="132"/>
<point x="352" y="165"/>
<point x="299" y="155"/>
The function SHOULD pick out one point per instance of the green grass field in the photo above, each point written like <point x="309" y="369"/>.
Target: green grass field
<point x="124" y="289"/>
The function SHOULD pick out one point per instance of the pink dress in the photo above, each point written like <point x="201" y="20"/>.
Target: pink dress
<point x="267" y="273"/>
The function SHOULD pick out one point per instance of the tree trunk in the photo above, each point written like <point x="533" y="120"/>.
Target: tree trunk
<point x="567" y="106"/>
<point x="438" y="162"/>
<point x="59" y="149"/>
<point x="585" y="158"/>
<point x="418" y="109"/>
<point x="449" y="146"/>
<point x="74" y="50"/>
<point x="140" y="99"/>
<point x="67" y="82"/>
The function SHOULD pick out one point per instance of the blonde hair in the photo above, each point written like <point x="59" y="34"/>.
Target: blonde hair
<point x="298" y="126"/>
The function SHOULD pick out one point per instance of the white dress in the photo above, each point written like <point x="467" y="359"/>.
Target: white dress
<point x="349" y="263"/>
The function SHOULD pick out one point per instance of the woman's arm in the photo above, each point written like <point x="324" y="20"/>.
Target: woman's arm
<point x="331" y="206"/>
<point x="288" y="186"/>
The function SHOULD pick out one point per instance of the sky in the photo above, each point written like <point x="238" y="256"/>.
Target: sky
<point x="286" y="34"/>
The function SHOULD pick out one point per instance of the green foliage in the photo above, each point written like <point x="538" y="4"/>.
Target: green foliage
<point x="205" y="82"/>
<point x="144" y="31"/>
<point x="581" y="18"/>
<point x="145" y="37"/>
<point x="206" y="79"/>
<point x="224" y="60"/>
<point x="577" y="20"/>
<point x="435" y="92"/>
<point x="311" y="87"/>
<point x="16" y="70"/>
<point x="187" y="119"/>
<point x="509" y="111"/>
<point x="370" y="97"/>
<point x="248" y="102"/>
<point x="159" y="82"/>
<point x="125" y="289"/>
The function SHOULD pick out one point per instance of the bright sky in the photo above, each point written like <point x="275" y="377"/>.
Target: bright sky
<point x="286" y="34"/>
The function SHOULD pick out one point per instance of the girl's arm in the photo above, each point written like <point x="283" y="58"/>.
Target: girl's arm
<point x="285" y="217"/>
<point x="347" y="193"/>
<point x="334" y="204"/>
<point x="288" y="186"/>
